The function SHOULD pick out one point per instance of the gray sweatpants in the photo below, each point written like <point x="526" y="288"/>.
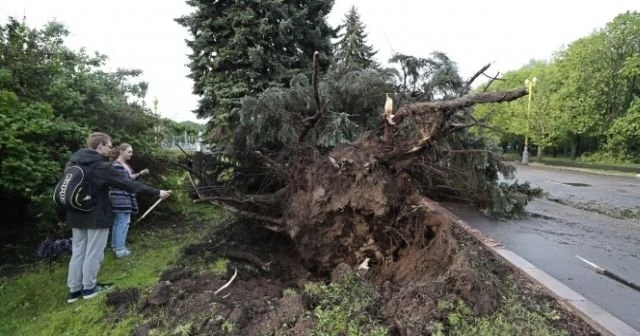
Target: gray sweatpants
<point x="87" y="253"/>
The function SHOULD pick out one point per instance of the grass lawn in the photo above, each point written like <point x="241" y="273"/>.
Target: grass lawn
<point x="618" y="169"/>
<point x="584" y="170"/>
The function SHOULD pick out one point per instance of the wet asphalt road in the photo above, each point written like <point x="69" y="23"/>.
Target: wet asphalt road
<point x="587" y="190"/>
<point x="555" y="233"/>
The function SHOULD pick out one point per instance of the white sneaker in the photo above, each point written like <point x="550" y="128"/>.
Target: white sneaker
<point x="123" y="253"/>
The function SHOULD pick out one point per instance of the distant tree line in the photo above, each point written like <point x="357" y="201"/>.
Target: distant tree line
<point x="586" y="101"/>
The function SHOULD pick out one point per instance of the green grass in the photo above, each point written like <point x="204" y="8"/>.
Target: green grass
<point x="34" y="301"/>
<point x="584" y="170"/>
<point x="219" y="267"/>
<point x="289" y="292"/>
<point x="341" y="308"/>
<point x="511" y="318"/>
<point x="602" y="168"/>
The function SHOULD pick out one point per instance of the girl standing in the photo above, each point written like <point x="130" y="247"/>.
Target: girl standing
<point x="123" y="202"/>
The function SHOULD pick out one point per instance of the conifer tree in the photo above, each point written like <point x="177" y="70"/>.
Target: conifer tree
<point x="352" y="49"/>
<point x="241" y="48"/>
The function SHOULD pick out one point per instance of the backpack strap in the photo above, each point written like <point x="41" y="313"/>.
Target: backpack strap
<point x="88" y="170"/>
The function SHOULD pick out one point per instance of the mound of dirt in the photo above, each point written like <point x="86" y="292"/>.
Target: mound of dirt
<point x="268" y="295"/>
<point x="350" y="207"/>
<point x="253" y="301"/>
<point x="121" y="301"/>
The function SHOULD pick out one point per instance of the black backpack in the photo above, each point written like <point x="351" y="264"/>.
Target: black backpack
<point x="74" y="189"/>
<point x="52" y="249"/>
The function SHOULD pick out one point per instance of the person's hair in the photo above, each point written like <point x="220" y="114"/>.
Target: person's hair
<point x="115" y="152"/>
<point x="97" y="138"/>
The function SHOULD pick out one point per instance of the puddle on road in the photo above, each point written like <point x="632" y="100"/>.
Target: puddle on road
<point x="575" y="184"/>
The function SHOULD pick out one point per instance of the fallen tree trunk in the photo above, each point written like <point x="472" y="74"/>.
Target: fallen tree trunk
<point x="360" y="200"/>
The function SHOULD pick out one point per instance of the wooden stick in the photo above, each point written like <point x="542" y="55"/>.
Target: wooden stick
<point x="228" y="282"/>
<point x="611" y="275"/>
<point x="148" y="211"/>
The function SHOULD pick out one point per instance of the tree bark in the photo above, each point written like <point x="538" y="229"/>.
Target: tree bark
<point x="449" y="106"/>
<point x="540" y="152"/>
<point x="575" y="147"/>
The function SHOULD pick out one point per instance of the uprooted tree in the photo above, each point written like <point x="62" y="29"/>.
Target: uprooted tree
<point x="368" y="198"/>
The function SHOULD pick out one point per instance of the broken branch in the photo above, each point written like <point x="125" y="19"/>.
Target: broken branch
<point x="248" y="214"/>
<point x="310" y="122"/>
<point x="252" y="215"/>
<point x="610" y="274"/>
<point x="495" y="78"/>
<point x="187" y="168"/>
<point x="228" y="282"/>
<point x="314" y="81"/>
<point x="476" y="75"/>
<point x="183" y="151"/>
<point x="459" y="103"/>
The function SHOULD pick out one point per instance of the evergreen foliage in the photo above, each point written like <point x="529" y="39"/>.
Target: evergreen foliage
<point x="352" y="49"/>
<point x="242" y="48"/>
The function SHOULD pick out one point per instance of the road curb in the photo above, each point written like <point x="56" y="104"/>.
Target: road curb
<point x="598" y="318"/>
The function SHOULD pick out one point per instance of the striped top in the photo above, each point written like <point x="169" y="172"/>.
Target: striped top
<point x="121" y="200"/>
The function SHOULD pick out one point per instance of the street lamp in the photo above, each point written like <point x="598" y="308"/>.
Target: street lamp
<point x="525" y="153"/>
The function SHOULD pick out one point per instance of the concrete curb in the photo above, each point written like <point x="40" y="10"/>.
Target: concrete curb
<point x="598" y="318"/>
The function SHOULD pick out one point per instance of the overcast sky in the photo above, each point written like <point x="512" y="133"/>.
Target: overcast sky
<point x="142" y="34"/>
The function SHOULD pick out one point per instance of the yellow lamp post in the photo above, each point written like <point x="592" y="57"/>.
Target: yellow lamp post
<point x="525" y="153"/>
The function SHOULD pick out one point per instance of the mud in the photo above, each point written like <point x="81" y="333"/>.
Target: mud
<point x="256" y="302"/>
<point x="348" y="208"/>
<point x="185" y="295"/>
<point x="122" y="301"/>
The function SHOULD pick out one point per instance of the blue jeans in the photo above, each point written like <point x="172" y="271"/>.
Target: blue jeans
<point x="120" y="229"/>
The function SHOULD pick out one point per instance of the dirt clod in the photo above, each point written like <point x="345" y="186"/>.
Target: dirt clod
<point x="124" y="298"/>
<point x="161" y="294"/>
<point x="122" y="302"/>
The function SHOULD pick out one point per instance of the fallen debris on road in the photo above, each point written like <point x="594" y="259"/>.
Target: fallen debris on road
<point x="611" y="275"/>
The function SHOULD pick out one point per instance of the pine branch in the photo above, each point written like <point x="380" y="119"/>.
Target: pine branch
<point x="223" y="202"/>
<point x="248" y="214"/>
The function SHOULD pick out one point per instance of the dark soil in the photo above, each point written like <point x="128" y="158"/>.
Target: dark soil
<point x="267" y="263"/>
<point x="122" y="301"/>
